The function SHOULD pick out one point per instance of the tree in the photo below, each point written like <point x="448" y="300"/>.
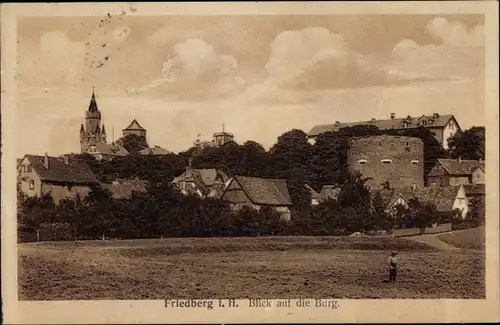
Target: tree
<point x="133" y="143"/>
<point x="469" y="144"/>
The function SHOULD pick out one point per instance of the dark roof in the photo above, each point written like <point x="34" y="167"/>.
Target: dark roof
<point x="93" y="104"/>
<point x="204" y="179"/>
<point x="134" y="126"/>
<point x="77" y="172"/>
<point x="475" y="189"/>
<point x="123" y="188"/>
<point x="264" y="191"/>
<point x="442" y="197"/>
<point x="386" y="124"/>
<point x="110" y="149"/>
<point x="155" y="151"/>
<point x="462" y="167"/>
<point x="329" y="192"/>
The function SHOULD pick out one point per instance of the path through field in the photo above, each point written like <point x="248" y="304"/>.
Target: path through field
<point x="277" y="267"/>
<point x="433" y="240"/>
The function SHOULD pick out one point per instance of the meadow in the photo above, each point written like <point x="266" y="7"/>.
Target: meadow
<point x="265" y="267"/>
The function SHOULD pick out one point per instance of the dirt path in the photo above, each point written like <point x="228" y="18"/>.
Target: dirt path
<point x="433" y="240"/>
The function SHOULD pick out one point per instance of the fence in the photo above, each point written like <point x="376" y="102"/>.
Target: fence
<point x="422" y="231"/>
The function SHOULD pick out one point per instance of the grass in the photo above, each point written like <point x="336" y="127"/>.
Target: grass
<point x="467" y="239"/>
<point x="275" y="267"/>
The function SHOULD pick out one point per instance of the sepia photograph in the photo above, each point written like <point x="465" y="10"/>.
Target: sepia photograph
<point x="206" y="160"/>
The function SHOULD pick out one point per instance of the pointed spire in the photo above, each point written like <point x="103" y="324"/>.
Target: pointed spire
<point x="103" y="129"/>
<point x="93" y="103"/>
<point x="82" y="130"/>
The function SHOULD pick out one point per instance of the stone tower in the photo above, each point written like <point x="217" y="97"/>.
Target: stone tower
<point x="92" y="133"/>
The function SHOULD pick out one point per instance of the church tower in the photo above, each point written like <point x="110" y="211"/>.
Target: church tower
<point x="92" y="132"/>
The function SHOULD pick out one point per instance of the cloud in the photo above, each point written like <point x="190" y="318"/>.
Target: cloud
<point x="195" y="70"/>
<point x="55" y="61"/>
<point x="459" y="51"/>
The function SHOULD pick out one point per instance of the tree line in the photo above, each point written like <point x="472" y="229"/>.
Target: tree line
<point x="163" y="211"/>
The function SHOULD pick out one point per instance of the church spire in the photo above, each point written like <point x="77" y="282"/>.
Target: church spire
<point x="103" y="129"/>
<point x="93" y="103"/>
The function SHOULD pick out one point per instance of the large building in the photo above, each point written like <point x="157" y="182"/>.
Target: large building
<point x="221" y="138"/>
<point x="92" y="133"/>
<point x="442" y="126"/>
<point x="389" y="161"/>
<point x="62" y="177"/>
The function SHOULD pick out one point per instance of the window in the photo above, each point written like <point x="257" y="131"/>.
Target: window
<point x="415" y="161"/>
<point x="386" y="161"/>
<point x="362" y="161"/>
<point x="424" y="122"/>
<point x="32" y="184"/>
<point x="30" y="169"/>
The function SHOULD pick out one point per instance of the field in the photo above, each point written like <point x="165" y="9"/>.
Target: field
<point x="274" y="267"/>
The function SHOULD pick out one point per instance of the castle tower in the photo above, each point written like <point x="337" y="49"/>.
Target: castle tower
<point x="221" y="138"/>
<point x="91" y="133"/>
<point x="134" y="128"/>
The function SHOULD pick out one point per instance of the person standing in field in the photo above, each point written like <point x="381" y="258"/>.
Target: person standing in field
<point x="392" y="261"/>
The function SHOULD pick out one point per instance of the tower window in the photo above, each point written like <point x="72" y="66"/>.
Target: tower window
<point x="415" y="161"/>
<point x="362" y="161"/>
<point x="386" y="161"/>
<point x="32" y="184"/>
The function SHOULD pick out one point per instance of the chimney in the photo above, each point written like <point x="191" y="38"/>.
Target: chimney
<point x="393" y="115"/>
<point x="46" y="161"/>
<point x="66" y="160"/>
<point x="459" y="159"/>
<point x="435" y="115"/>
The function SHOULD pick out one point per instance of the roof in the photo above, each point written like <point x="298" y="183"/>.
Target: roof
<point x="134" y="126"/>
<point x="111" y="149"/>
<point x="264" y="191"/>
<point x="314" y="194"/>
<point x="387" y="124"/>
<point x="154" y="151"/>
<point x="329" y="192"/>
<point x="204" y="179"/>
<point x="442" y="197"/>
<point x="461" y="167"/>
<point x="123" y="188"/>
<point x="93" y="104"/>
<point x="218" y="134"/>
<point x="474" y="189"/>
<point x="77" y="171"/>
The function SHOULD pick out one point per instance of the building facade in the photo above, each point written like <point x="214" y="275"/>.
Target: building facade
<point x="62" y="177"/>
<point x="92" y="133"/>
<point x="105" y="151"/>
<point x="442" y="126"/>
<point x="388" y="161"/>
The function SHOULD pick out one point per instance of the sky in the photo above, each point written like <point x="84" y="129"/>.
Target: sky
<point x="182" y="77"/>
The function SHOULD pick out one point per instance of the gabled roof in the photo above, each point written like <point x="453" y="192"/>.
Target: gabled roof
<point x="386" y="124"/>
<point x="110" y="149"/>
<point x="264" y="191"/>
<point x="77" y="171"/>
<point x="134" y="126"/>
<point x="123" y="188"/>
<point x="442" y="197"/>
<point x="475" y="189"/>
<point x="460" y="167"/>
<point x="329" y="192"/>
<point x="155" y="151"/>
<point x="314" y="194"/>
<point x="204" y="179"/>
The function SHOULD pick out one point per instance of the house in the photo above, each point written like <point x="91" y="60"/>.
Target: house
<point x="104" y="151"/>
<point x="442" y="126"/>
<point x="314" y="195"/>
<point x="329" y="192"/>
<point x="134" y="128"/>
<point x="201" y="182"/>
<point x="62" y="177"/>
<point x="155" y="151"/>
<point x="257" y="192"/>
<point x="449" y="172"/>
<point x="123" y="188"/>
<point x="445" y="199"/>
